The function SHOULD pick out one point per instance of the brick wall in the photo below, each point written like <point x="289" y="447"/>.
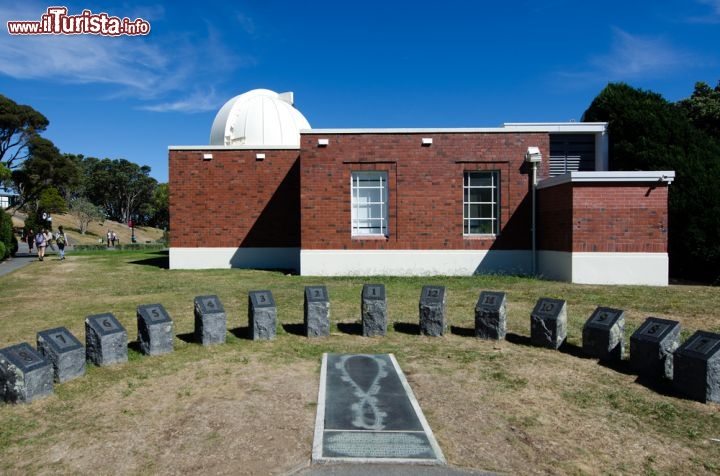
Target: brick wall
<point x="234" y="200"/>
<point x="425" y="187"/>
<point x="603" y="217"/>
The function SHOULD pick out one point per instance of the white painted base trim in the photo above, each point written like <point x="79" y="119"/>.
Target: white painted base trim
<point x="220" y="258"/>
<point x="413" y="262"/>
<point x="650" y="269"/>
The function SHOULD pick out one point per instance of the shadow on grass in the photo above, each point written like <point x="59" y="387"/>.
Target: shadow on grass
<point x="294" y="329"/>
<point x="518" y="339"/>
<point x="462" y="331"/>
<point x="241" y="332"/>
<point x="187" y="337"/>
<point x="161" y="260"/>
<point x="407" y="328"/>
<point x="573" y="350"/>
<point x="353" y="328"/>
<point x="660" y="385"/>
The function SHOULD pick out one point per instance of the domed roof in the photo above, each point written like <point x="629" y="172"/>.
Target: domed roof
<point x="259" y="117"/>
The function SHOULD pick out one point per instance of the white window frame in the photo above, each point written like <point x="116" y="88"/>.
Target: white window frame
<point x="471" y="206"/>
<point x="369" y="203"/>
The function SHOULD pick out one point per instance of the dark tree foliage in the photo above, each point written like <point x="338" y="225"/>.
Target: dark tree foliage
<point x="43" y="169"/>
<point x="120" y="187"/>
<point x="7" y="237"/>
<point x="19" y="124"/>
<point x="649" y="133"/>
<point x="703" y="108"/>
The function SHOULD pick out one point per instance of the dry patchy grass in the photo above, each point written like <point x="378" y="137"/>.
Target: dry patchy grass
<point x="248" y="407"/>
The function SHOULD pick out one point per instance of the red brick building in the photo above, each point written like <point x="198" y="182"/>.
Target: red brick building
<point x="520" y="199"/>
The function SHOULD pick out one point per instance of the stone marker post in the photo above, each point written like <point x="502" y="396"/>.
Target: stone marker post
<point x="491" y="315"/>
<point x="603" y="334"/>
<point x="155" y="329"/>
<point x="210" y="320"/>
<point x="262" y="315"/>
<point x="696" y="367"/>
<point x="24" y="374"/>
<point x="374" y="310"/>
<point x="432" y="311"/>
<point x="64" y="351"/>
<point x="316" y="317"/>
<point x="652" y="346"/>
<point x="106" y="340"/>
<point x="548" y="323"/>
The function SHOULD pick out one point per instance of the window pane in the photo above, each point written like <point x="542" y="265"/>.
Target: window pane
<point x="480" y="202"/>
<point x="369" y="203"/>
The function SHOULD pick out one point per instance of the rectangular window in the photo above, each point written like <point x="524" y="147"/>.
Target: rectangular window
<point x="369" y="203"/>
<point x="481" y="203"/>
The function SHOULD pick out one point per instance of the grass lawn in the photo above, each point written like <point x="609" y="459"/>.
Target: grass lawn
<point x="248" y="407"/>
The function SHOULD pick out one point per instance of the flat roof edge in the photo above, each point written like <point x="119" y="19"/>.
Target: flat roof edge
<point x="664" y="176"/>
<point x="567" y="127"/>
<point x="233" y="147"/>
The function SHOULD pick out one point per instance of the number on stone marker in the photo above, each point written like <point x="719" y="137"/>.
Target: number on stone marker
<point x="106" y="323"/>
<point x="26" y="356"/>
<point x="155" y="312"/>
<point x="548" y="306"/>
<point x="489" y="300"/>
<point x="61" y="338"/>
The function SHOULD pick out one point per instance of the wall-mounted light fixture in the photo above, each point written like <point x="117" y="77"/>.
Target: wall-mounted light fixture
<point x="323" y="142"/>
<point x="207" y="157"/>
<point x="533" y="155"/>
<point x="426" y="141"/>
<point x="259" y="156"/>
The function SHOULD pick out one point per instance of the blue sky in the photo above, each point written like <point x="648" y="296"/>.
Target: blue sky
<point x="350" y="64"/>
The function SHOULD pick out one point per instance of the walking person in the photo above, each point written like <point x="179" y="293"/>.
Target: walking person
<point x="30" y="239"/>
<point x="61" y="241"/>
<point x="40" y="244"/>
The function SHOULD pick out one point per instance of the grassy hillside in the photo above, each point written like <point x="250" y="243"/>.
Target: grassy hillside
<point x="96" y="230"/>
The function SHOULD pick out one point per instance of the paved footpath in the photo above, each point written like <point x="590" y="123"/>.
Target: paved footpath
<point x="22" y="258"/>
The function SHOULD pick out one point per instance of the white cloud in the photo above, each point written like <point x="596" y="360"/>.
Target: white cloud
<point x="634" y="56"/>
<point x="148" y="68"/>
<point x="199" y="101"/>
<point x="712" y="17"/>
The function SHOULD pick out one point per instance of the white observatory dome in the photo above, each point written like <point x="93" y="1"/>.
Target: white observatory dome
<point x="258" y="118"/>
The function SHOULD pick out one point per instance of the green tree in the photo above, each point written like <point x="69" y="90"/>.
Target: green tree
<point x="45" y="167"/>
<point x="646" y="132"/>
<point x="120" y="187"/>
<point x="160" y="217"/>
<point x="8" y="241"/>
<point x="703" y="108"/>
<point x="19" y="124"/>
<point x="85" y="213"/>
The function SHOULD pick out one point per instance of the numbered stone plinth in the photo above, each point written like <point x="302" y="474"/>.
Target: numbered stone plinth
<point x="491" y="316"/>
<point x="262" y="315"/>
<point x="604" y="334"/>
<point x="155" y="329"/>
<point x="432" y="311"/>
<point x="548" y="323"/>
<point x="316" y="308"/>
<point x="652" y="346"/>
<point x="106" y="340"/>
<point x="210" y="320"/>
<point x="374" y="310"/>
<point x="24" y="374"/>
<point x="64" y="351"/>
<point x="696" y="367"/>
